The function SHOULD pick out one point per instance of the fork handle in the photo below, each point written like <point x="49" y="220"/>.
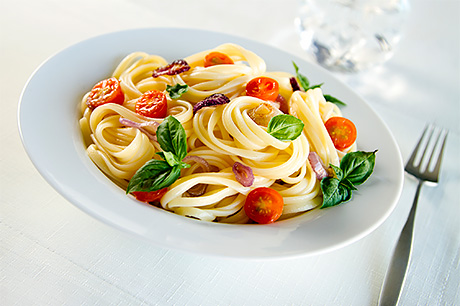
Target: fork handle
<point x="394" y="279"/>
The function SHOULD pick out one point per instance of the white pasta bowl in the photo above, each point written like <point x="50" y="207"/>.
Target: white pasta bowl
<point x="48" y="122"/>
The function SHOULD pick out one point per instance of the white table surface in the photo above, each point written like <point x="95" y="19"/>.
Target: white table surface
<point x="51" y="253"/>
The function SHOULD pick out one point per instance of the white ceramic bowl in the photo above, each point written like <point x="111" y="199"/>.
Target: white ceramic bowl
<point x="48" y="122"/>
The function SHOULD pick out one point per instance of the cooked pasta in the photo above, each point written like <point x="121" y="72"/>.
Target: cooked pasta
<point x="221" y="135"/>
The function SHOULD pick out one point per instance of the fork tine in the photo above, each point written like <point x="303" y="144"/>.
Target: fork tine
<point x="427" y="145"/>
<point x="415" y="152"/>
<point x="438" y="162"/>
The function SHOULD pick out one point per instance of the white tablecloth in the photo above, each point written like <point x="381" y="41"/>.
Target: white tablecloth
<point x="53" y="253"/>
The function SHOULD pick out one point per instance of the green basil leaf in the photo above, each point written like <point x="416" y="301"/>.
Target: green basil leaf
<point x="355" y="168"/>
<point x="176" y="91"/>
<point x="170" y="158"/>
<point x="171" y="137"/>
<point x="153" y="175"/>
<point x="285" y="127"/>
<point x="334" y="100"/>
<point x="338" y="172"/>
<point x="334" y="192"/>
<point x="303" y="80"/>
<point x="162" y="154"/>
<point x="349" y="184"/>
<point x="183" y="165"/>
<point x="358" y="166"/>
<point x="316" y="86"/>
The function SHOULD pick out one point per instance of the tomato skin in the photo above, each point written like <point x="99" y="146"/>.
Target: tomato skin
<point x="106" y="91"/>
<point x="216" y="58"/>
<point x="342" y="131"/>
<point x="152" y="104"/>
<point x="264" y="205"/>
<point x="263" y="88"/>
<point x="150" y="196"/>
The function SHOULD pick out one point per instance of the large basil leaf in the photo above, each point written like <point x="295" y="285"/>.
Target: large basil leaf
<point x="354" y="169"/>
<point x="285" y="127"/>
<point x="334" y="192"/>
<point x="153" y="175"/>
<point x="171" y="137"/>
<point x="158" y="174"/>
<point x="358" y="166"/>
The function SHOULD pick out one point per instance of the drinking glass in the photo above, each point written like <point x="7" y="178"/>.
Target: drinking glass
<point x="351" y="35"/>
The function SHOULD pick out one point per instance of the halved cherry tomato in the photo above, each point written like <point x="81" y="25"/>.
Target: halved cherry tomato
<point x="342" y="131"/>
<point x="216" y="58"/>
<point x="264" y="205"/>
<point x="149" y="196"/>
<point x="263" y="88"/>
<point x="152" y="104"/>
<point x="106" y="91"/>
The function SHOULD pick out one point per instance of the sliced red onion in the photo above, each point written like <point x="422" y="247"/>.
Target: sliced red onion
<point x="215" y="99"/>
<point x="200" y="160"/>
<point x="294" y="84"/>
<point x="140" y="126"/>
<point x="243" y="174"/>
<point x="317" y="166"/>
<point x="176" y="67"/>
<point x="198" y="189"/>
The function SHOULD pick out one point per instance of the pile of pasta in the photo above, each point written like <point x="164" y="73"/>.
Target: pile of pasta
<point x="222" y="135"/>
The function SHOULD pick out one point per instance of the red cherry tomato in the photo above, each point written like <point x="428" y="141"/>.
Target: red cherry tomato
<point x="150" y="196"/>
<point x="106" y="91"/>
<point x="263" y="88"/>
<point x="152" y="104"/>
<point x="264" y="205"/>
<point x="216" y="58"/>
<point x="342" y="131"/>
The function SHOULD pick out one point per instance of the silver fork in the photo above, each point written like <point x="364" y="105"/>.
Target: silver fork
<point x="424" y="171"/>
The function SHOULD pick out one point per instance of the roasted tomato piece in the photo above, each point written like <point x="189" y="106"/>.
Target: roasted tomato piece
<point x="106" y="91"/>
<point x="215" y="99"/>
<point x="152" y="104"/>
<point x="176" y="67"/>
<point x="216" y="58"/>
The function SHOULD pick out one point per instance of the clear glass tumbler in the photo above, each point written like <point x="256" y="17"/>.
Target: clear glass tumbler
<point x="351" y="35"/>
